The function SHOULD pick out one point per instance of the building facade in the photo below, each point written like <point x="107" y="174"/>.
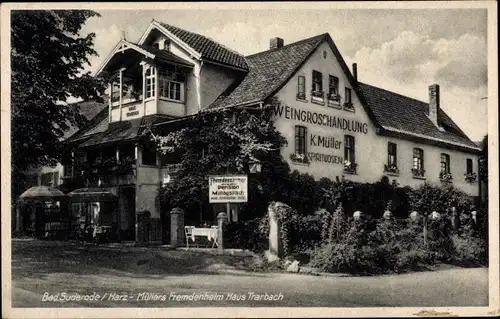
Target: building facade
<point x="335" y="126"/>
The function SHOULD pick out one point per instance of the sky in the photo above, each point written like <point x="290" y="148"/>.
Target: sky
<point x="401" y="50"/>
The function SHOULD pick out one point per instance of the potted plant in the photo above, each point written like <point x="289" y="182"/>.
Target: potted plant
<point x="470" y="177"/>
<point x="445" y="177"/>
<point x="391" y="169"/>
<point x="300" y="158"/>
<point x="350" y="168"/>
<point x="418" y="172"/>
<point x="319" y="94"/>
<point x="301" y="96"/>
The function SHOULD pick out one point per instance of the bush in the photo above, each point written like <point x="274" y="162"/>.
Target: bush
<point x="469" y="250"/>
<point x="371" y="246"/>
<point x="353" y="253"/>
<point x="250" y="234"/>
<point x="428" y="198"/>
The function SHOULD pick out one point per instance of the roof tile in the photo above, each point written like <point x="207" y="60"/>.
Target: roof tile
<point x="208" y="48"/>
<point x="267" y="71"/>
<point x="402" y="113"/>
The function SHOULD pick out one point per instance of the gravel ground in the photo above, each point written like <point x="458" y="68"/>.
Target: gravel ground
<point x="123" y="277"/>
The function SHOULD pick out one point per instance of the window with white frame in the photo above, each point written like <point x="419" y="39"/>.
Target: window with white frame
<point x="171" y="84"/>
<point x="150" y="82"/>
<point x="333" y="87"/>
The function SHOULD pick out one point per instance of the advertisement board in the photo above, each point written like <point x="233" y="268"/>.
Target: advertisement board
<point x="228" y="188"/>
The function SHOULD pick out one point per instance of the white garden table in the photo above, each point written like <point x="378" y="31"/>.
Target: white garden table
<point x="209" y="233"/>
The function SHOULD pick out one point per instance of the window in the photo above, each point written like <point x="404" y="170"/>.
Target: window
<point x="50" y="179"/>
<point x="469" y="166"/>
<point x="418" y="159"/>
<point x="171" y="83"/>
<point x="349" y="151"/>
<point x="333" y="87"/>
<point x="445" y="163"/>
<point x="150" y="82"/>
<point x="148" y="156"/>
<point x="392" y="152"/>
<point x="68" y="170"/>
<point x="301" y="87"/>
<point x="317" y="81"/>
<point x="300" y="139"/>
<point x="348" y="97"/>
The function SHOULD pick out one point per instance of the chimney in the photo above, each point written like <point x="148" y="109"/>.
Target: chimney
<point x="355" y="71"/>
<point x="433" y="103"/>
<point x="275" y="43"/>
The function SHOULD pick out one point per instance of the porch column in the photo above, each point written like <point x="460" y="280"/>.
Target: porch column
<point x="121" y="91"/>
<point x="110" y="100"/>
<point x="117" y="154"/>
<point x="157" y="88"/>
<point x="144" y="67"/>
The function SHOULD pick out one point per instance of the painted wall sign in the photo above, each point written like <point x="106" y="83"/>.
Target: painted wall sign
<point x="132" y="113"/>
<point x="228" y="189"/>
<point x="132" y="108"/>
<point x="324" y="141"/>
<point x="291" y="113"/>
<point x="326" y="158"/>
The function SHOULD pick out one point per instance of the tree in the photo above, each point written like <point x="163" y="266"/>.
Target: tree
<point x="483" y="160"/>
<point x="219" y="143"/>
<point x="48" y="57"/>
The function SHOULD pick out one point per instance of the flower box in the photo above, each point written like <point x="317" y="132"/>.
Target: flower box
<point x="393" y="169"/>
<point x="301" y="96"/>
<point x="299" y="158"/>
<point x="319" y="94"/>
<point x="333" y="97"/>
<point x="470" y="178"/>
<point x="418" y="172"/>
<point x="350" y="168"/>
<point x="445" y="177"/>
<point x="348" y="106"/>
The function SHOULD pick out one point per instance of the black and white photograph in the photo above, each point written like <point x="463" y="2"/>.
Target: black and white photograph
<point x="249" y="159"/>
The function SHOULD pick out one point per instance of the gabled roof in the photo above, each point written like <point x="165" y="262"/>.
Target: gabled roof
<point x="268" y="71"/>
<point x="208" y="48"/>
<point x="401" y="114"/>
<point x="271" y="70"/>
<point x="165" y="55"/>
<point x="119" y="131"/>
<point x="88" y="110"/>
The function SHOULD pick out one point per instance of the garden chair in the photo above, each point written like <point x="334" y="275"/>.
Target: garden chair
<point x="188" y="230"/>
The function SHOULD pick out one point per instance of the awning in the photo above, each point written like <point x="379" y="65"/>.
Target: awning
<point x="42" y="193"/>
<point x="96" y="194"/>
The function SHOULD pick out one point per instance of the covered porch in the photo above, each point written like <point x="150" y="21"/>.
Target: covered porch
<point x="143" y="80"/>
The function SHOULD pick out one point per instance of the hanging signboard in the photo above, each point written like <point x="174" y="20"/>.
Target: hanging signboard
<point x="228" y="189"/>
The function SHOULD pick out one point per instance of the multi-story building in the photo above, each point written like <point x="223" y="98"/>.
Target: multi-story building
<point x="335" y="126"/>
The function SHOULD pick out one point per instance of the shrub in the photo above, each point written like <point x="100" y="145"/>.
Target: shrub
<point x="247" y="234"/>
<point x="439" y="239"/>
<point x="469" y="250"/>
<point x="353" y="253"/>
<point x="428" y="198"/>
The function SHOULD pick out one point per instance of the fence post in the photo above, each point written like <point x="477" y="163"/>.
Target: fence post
<point x="275" y="242"/>
<point x="221" y="220"/>
<point x="176" y="227"/>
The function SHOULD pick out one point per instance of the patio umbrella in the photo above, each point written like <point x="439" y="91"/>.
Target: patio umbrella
<point x="42" y="193"/>
<point x="95" y="194"/>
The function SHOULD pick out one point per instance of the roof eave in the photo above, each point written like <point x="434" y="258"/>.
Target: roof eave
<point x="121" y="47"/>
<point x="230" y="66"/>
<point x="389" y="131"/>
